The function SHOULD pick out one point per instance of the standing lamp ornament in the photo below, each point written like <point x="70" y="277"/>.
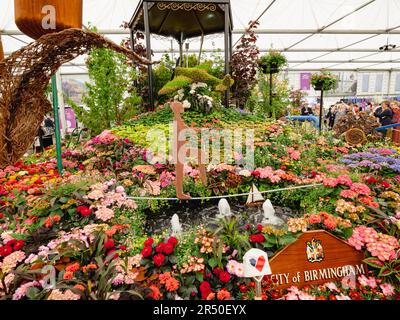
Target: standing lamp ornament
<point x="272" y="63"/>
<point x="323" y="81"/>
<point x="256" y="265"/>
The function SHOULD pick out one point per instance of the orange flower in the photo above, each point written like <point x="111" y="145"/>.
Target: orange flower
<point x="79" y="287"/>
<point x="223" y="294"/>
<point x="164" y="277"/>
<point x="90" y="266"/>
<point x="68" y="275"/>
<point x="73" y="267"/>
<point x="172" y="284"/>
<point x="56" y="218"/>
<point x="156" y="294"/>
<point x="211" y="296"/>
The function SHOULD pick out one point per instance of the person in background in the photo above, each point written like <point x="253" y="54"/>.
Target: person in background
<point x="386" y="116"/>
<point x="396" y="119"/>
<point x="369" y="107"/>
<point x="306" y="110"/>
<point x="378" y="110"/>
<point x="48" y="129"/>
<point x="331" y="116"/>
<point x="356" y="109"/>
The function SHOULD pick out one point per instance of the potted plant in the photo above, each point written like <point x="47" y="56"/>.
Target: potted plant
<point x="272" y="62"/>
<point x="323" y="81"/>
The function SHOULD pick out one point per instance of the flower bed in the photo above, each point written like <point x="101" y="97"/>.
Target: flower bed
<point x="85" y="231"/>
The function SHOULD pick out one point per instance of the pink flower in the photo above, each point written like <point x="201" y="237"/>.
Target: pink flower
<point x="342" y="297"/>
<point x="387" y="289"/>
<point x="344" y="180"/>
<point x="330" y="182"/>
<point x="349" y="194"/>
<point x="314" y="218"/>
<point x="361" y="189"/>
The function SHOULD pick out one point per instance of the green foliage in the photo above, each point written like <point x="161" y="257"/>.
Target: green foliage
<point x="111" y="96"/>
<point x="174" y="85"/>
<point x="327" y="79"/>
<point x="272" y="62"/>
<point x="162" y="75"/>
<point x="198" y="75"/>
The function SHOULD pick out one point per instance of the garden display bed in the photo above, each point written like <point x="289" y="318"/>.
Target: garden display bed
<point x="80" y="236"/>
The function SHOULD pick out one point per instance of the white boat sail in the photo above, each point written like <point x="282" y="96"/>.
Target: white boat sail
<point x="255" y="197"/>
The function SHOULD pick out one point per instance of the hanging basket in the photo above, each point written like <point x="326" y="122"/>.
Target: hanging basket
<point x="266" y="69"/>
<point x="319" y="86"/>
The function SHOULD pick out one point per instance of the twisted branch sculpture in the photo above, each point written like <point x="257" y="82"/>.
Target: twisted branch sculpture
<point x="24" y="77"/>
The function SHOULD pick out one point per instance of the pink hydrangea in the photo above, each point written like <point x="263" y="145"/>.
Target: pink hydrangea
<point x="348" y="194"/>
<point x="344" y="180"/>
<point x="104" y="214"/>
<point x="361" y="189"/>
<point x="330" y="182"/>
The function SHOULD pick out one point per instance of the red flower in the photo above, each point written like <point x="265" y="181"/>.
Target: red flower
<point x="243" y="288"/>
<point x="385" y="184"/>
<point x="257" y="238"/>
<point x="259" y="227"/>
<point x="109" y="244"/>
<point x="204" y="286"/>
<point x="224" y="276"/>
<point x="168" y="248"/>
<point x="173" y="241"/>
<point x="158" y="260"/>
<point x="84" y="211"/>
<point x="371" y="180"/>
<point x="5" y="251"/>
<point x="160" y="247"/>
<point x="147" y="251"/>
<point x="18" y="245"/>
<point x="1" y="214"/>
<point x="116" y="255"/>
<point x="122" y="248"/>
<point x="217" y="271"/>
<point x="149" y="242"/>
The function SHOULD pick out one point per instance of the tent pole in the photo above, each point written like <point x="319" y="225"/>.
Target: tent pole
<point x="148" y="51"/>
<point x="57" y="123"/>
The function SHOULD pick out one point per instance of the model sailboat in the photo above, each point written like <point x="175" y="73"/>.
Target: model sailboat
<point x="255" y="198"/>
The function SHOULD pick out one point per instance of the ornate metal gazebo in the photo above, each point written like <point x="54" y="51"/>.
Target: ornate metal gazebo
<point x="181" y="20"/>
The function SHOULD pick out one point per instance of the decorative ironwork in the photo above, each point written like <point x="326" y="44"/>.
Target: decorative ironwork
<point x="175" y="6"/>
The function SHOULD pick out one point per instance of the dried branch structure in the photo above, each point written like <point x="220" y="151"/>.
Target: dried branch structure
<point x="24" y="77"/>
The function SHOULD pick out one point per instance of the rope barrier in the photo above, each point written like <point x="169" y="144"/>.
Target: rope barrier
<point x="231" y="195"/>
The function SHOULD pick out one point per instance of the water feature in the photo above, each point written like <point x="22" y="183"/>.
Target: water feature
<point x="195" y="213"/>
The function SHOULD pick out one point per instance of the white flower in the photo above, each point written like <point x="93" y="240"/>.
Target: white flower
<point x="186" y="104"/>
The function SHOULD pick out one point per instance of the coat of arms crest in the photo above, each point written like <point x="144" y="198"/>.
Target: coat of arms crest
<point x="315" y="251"/>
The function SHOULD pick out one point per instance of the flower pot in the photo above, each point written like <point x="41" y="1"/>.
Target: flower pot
<point x="29" y="16"/>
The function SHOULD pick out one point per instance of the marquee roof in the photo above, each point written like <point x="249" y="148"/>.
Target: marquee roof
<point x="313" y="34"/>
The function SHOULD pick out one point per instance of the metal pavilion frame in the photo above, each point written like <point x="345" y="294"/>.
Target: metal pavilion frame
<point x="300" y="64"/>
<point x="144" y="8"/>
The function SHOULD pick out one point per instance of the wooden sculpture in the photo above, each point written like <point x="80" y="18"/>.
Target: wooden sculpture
<point x="24" y="77"/>
<point x="181" y="151"/>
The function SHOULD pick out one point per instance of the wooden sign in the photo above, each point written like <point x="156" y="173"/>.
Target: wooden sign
<point x="316" y="257"/>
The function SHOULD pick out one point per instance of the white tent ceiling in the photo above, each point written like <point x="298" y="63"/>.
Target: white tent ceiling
<point x="313" y="34"/>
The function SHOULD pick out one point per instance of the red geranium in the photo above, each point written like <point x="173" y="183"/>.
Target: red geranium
<point x="371" y="180"/>
<point x="385" y="184"/>
<point x="149" y="242"/>
<point x="158" y="260"/>
<point x="19" y="245"/>
<point x="259" y="227"/>
<point x="1" y="214"/>
<point x="5" y="251"/>
<point x="257" y="238"/>
<point x="168" y="248"/>
<point x="84" y="211"/>
<point x="173" y="241"/>
<point x="109" y="244"/>
<point x="160" y="247"/>
<point x="217" y="271"/>
<point x="122" y="248"/>
<point x="147" y="251"/>
<point x="224" y="276"/>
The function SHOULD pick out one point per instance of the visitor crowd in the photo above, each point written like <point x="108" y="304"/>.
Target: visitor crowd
<point x="386" y="113"/>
